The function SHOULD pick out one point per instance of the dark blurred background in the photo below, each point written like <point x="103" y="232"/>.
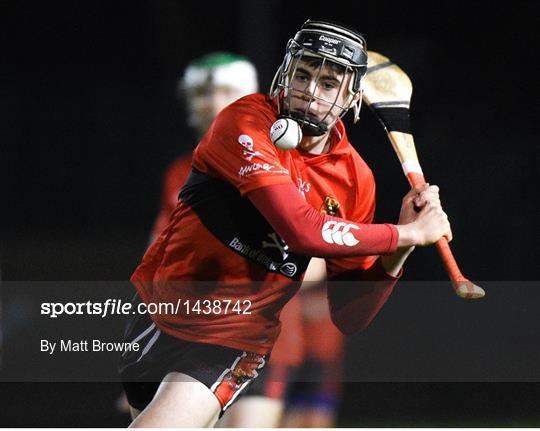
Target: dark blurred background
<point x="90" y="121"/>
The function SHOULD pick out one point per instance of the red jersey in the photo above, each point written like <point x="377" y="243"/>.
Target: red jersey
<point x="216" y="234"/>
<point x="175" y="176"/>
<point x="288" y="348"/>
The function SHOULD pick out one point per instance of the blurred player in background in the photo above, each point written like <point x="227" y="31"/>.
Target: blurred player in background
<point x="314" y="400"/>
<point x="246" y="221"/>
<point x="208" y="85"/>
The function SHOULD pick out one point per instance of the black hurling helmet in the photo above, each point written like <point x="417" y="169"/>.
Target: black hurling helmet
<point x="325" y="42"/>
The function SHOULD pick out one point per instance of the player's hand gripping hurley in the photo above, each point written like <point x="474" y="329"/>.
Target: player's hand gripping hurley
<point x="388" y="90"/>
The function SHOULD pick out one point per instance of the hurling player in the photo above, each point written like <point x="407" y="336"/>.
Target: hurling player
<point x="238" y="243"/>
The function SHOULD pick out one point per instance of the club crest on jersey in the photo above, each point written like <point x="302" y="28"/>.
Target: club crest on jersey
<point x="330" y="206"/>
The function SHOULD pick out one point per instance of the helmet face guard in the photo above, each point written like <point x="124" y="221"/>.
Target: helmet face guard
<point x="325" y="46"/>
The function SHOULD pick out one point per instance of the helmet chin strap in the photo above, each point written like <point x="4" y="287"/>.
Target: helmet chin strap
<point x="309" y="128"/>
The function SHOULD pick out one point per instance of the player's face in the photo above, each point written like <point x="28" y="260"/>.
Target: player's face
<point x="207" y="101"/>
<point x="321" y="94"/>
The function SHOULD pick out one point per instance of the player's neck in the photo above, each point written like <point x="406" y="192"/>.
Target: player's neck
<point x="315" y="144"/>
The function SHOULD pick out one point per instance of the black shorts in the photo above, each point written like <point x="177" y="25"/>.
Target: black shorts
<point x="226" y="372"/>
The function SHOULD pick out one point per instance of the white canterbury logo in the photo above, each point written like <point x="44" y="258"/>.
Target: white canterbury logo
<point x="334" y="232"/>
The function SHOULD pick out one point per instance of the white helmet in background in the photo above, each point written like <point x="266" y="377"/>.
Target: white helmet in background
<point x="212" y="82"/>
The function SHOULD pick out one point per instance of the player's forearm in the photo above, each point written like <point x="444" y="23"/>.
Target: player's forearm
<point x="393" y="263"/>
<point x="306" y="231"/>
<point x="408" y="236"/>
<point x="354" y="305"/>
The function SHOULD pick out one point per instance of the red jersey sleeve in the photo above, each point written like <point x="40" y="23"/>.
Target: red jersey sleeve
<point x="353" y="306"/>
<point x="237" y="147"/>
<point x="308" y="232"/>
<point x="363" y="212"/>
